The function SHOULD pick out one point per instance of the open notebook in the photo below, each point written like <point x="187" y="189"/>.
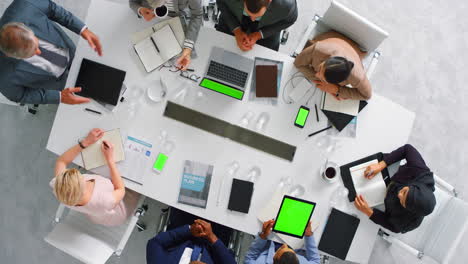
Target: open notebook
<point x="158" y="48"/>
<point x="373" y="190"/>
<point x="93" y="156"/>
<point x="349" y="107"/>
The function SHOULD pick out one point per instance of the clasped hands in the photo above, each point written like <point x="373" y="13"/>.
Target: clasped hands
<point x="203" y="229"/>
<point x="245" y="41"/>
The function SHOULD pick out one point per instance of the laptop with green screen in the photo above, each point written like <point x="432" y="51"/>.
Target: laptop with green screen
<point x="293" y="216"/>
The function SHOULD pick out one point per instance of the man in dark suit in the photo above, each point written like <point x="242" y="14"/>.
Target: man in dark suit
<point x="36" y="54"/>
<point x="256" y="21"/>
<point x="195" y="243"/>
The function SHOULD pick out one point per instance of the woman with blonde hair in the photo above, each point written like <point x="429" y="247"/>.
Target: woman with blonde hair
<point x="102" y="200"/>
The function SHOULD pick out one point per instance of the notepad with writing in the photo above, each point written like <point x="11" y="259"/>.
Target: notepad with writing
<point x="373" y="190"/>
<point x="93" y="156"/>
<point x="349" y="106"/>
<point x="158" y="48"/>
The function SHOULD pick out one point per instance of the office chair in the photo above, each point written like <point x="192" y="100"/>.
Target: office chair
<point x="347" y="22"/>
<point x="75" y="235"/>
<point x="235" y="243"/>
<point x="437" y="238"/>
<point x="30" y="108"/>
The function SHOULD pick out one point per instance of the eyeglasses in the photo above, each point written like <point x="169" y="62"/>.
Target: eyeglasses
<point x="186" y="74"/>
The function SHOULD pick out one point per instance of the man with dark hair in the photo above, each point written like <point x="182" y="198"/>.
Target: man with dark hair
<point x="334" y="63"/>
<point x="256" y="21"/>
<point x="36" y="54"/>
<point x="263" y="251"/>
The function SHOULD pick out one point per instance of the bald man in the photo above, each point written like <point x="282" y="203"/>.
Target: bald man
<point x="35" y="53"/>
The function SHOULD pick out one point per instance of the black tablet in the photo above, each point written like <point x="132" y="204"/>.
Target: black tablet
<point x="293" y="216"/>
<point x="100" y="82"/>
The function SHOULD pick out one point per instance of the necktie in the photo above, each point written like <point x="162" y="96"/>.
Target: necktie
<point x="195" y="253"/>
<point x="54" y="58"/>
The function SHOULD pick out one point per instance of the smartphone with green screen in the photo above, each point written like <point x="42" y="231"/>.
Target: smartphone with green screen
<point x="301" y="116"/>
<point x="160" y="162"/>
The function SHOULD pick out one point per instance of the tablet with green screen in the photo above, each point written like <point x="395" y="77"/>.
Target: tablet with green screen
<point x="293" y="216"/>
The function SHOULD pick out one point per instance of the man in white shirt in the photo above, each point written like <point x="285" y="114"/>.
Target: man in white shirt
<point x="35" y="53"/>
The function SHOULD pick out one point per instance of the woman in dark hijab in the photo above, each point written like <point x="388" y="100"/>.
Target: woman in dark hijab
<point x="410" y="194"/>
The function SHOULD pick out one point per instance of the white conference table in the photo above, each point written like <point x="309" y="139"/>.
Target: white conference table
<point x="382" y="126"/>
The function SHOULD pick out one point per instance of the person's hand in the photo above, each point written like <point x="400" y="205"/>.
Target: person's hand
<point x="94" y="135"/>
<point x="374" y="169"/>
<point x="196" y="230"/>
<point x="147" y="13"/>
<point x="327" y="87"/>
<point x="184" y="60"/>
<point x="68" y="96"/>
<point x="93" y="41"/>
<point x="308" y="231"/>
<point x="266" y="229"/>
<point x="108" y="151"/>
<point x="252" y="39"/>
<point x="207" y="232"/>
<point x="242" y="40"/>
<point x="362" y="205"/>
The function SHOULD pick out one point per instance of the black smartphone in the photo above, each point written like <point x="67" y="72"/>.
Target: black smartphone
<point x="301" y="116"/>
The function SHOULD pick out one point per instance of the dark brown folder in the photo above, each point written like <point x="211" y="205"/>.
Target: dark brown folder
<point x="266" y="80"/>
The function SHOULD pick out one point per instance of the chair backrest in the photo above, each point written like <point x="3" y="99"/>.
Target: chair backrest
<point x="344" y="20"/>
<point x="440" y="232"/>
<point x="84" y="240"/>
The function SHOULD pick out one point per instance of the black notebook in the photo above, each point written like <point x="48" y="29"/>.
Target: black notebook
<point x="241" y="195"/>
<point x="340" y="120"/>
<point x="100" y="82"/>
<point x="338" y="234"/>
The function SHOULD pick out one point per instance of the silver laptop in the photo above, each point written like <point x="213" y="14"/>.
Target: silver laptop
<point x="227" y="71"/>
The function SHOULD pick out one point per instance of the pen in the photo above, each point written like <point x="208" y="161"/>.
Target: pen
<point x="316" y="113"/>
<point x="156" y="46"/>
<point x="93" y="111"/>
<point x="321" y="130"/>
<point x="105" y="144"/>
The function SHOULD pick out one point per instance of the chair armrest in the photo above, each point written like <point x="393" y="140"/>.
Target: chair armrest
<point x="305" y="36"/>
<point x="131" y="225"/>
<point x="395" y="241"/>
<point x="445" y="185"/>
<point x="372" y="65"/>
<point x="59" y="213"/>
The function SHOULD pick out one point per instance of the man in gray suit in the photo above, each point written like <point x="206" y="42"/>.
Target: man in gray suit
<point x="36" y="54"/>
<point x="256" y="21"/>
<point x="187" y="10"/>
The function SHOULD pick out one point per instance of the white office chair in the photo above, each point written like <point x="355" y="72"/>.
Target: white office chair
<point x="89" y="242"/>
<point x="437" y="238"/>
<point x="347" y="22"/>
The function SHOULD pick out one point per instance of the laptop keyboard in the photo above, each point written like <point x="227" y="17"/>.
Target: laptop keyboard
<point x="227" y="74"/>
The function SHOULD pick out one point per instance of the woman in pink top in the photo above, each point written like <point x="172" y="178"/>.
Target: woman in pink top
<point x="102" y="200"/>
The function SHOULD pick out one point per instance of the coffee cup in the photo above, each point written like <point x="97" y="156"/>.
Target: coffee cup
<point x="161" y="11"/>
<point x="330" y="172"/>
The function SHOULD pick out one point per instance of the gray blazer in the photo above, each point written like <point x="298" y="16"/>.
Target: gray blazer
<point x="280" y="15"/>
<point x="22" y="82"/>
<point x="195" y="16"/>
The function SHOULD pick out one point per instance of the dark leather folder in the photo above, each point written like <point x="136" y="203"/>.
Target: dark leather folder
<point x="266" y="80"/>
<point x="338" y="234"/>
<point x="340" y="120"/>
<point x="241" y="195"/>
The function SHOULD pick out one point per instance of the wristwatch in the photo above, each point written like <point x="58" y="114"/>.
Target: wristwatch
<point x="81" y="145"/>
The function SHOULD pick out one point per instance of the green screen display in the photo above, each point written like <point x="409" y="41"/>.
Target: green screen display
<point x="160" y="162"/>
<point x="293" y="217"/>
<point x="302" y="116"/>
<point x="221" y="88"/>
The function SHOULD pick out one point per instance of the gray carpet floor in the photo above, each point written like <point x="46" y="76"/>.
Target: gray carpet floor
<point x="423" y="67"/>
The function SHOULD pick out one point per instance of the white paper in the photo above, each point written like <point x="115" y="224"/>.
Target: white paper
<point x="349" y="107"/>
<point x="166" y="42"/>
<point x="148" y="54"/>
<point x="138" y="159"/>
<point x="176" y="27"/>
<point x="186" y="256"/>
<point x="373" y="190"/>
